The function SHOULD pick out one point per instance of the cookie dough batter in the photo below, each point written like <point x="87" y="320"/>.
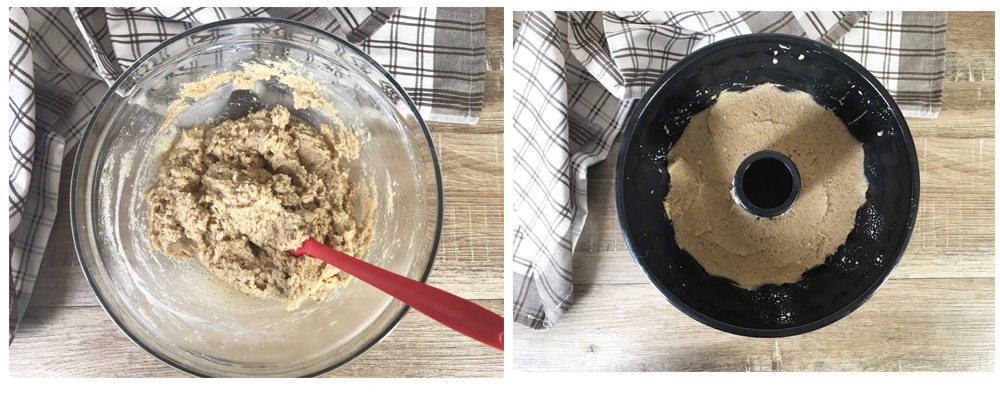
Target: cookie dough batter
<point x="239" y="195"/>
<point x="727" y="240"/>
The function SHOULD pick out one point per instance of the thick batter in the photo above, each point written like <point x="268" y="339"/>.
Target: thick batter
<point x="727" y="240"/>
<point x="239" y="195"/>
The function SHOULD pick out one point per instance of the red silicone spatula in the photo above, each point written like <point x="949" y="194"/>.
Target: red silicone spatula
<point x="457" y="313"/>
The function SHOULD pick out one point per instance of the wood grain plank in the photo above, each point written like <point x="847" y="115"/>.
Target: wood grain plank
<point x="470" y="258"/>
<point x="78" y="341"/>
<point x="969" y="66"/>
<point x="970" y="30"/>
<point x="421" y="347"/>
<point x="954" y="124"/>
<point x="909" y="325"/>
<point x="64" y="342"/>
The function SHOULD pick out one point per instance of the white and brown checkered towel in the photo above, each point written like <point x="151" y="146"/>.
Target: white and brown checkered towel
<point x="576" y="75"/>
<point x="62" y="61"/>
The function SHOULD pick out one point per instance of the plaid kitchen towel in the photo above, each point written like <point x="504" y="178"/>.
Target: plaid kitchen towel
<point x="576" y="76"/>
<point x="62" y="60"/>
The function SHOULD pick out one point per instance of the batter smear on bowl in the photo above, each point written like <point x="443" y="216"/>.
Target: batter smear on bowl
<point x="239" y="195"/>
<point x="720" y="234"/>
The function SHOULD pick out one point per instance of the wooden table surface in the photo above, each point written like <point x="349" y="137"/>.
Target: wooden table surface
<point x="66" y="332"/>
<point x="935" y="313"/>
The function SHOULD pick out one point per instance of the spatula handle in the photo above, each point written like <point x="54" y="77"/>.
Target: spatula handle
<point x="460" y="314"/>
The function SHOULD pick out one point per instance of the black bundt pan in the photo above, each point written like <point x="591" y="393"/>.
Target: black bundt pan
<point x="882" y="229"/>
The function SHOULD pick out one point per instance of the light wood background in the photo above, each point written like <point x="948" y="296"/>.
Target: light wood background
<point x="936" y="312"/>
<point x="66" y="332"/>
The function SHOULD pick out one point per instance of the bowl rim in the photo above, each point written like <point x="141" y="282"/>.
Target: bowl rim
<point x="670" y="74"/>
<point x="77" y="170"/>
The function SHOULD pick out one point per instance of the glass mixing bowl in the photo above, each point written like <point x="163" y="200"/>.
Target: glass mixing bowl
<point x="177" y="310"/>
